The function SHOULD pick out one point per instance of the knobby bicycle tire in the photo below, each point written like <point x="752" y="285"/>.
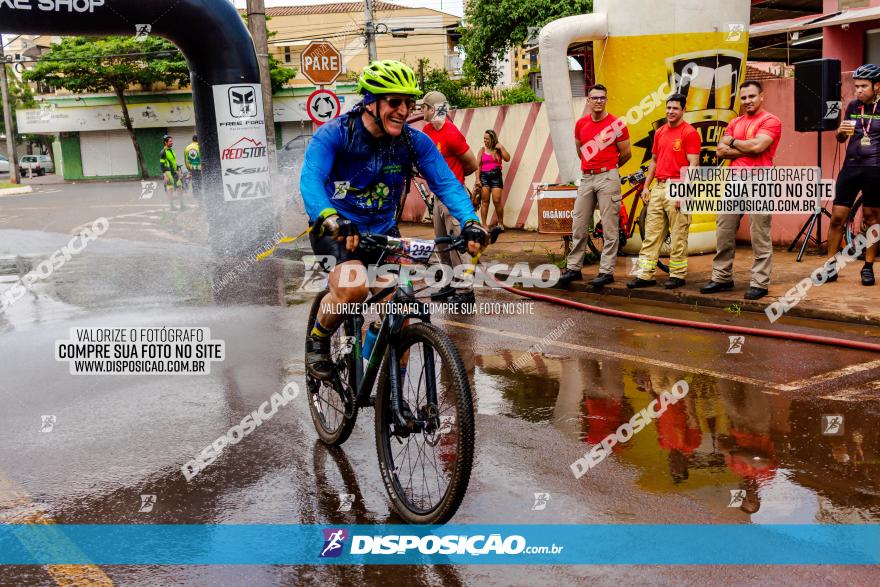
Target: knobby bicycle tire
<point x="850" y="231"/>
<point x="451" y="371"/>
<point x="339" y="434"/>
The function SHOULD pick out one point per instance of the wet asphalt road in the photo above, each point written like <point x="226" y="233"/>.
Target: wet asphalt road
<point x="752" y="421"/>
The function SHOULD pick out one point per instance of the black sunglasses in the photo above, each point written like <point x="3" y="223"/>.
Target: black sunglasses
<point x="396" y="102"/>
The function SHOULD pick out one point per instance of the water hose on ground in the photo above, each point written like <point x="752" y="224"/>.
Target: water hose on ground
<point x="779" y="334"/>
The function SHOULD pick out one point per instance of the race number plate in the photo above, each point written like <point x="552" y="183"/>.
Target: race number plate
<point x="419" y="250"/>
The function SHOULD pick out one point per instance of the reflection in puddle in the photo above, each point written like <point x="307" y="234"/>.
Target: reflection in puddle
<point x="733" y="447"/>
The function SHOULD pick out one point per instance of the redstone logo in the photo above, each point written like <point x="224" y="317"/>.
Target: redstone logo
<point x="244" y="148"/>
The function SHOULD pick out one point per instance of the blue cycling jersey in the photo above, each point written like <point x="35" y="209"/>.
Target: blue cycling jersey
<point x="362" y="177"/>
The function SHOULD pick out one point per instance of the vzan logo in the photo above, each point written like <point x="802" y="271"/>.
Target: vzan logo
<point x="247" y="190"/>
<point x="53" y="5"/>
<point x="242" y="102"/>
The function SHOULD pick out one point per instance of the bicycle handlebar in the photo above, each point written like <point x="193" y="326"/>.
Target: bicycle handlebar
<point x="370" y="240"/>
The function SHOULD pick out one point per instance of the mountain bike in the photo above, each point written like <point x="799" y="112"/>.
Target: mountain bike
<point x="853" y="226"/>
<point x="629" y="221"/>
<point x="424" y="413"/>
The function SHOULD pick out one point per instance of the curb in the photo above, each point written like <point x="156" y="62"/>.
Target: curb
<point x="26" y="189"/>
<point x="695" y="300"/>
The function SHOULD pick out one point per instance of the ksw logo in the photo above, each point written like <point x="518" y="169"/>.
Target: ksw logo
<point x="333" y="542"/>
<point x="244" y="148"/>
<point x="242" y="102"/>
<point x="247" y="190"/>
<point x="246" y="170"/>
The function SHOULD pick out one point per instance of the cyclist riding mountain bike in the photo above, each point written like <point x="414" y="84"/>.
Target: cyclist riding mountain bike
<point x="353" y="179"/>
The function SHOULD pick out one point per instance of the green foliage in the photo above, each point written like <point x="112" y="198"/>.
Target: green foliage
<point x="20" y="96"/>
<point x="519" y="94"/>
<point x="461" y="94"/>
<point x="88" y="64"/>
<point x="495" y="26"/>
<point x="279" y="74"/>
<point x="438" y="80"/>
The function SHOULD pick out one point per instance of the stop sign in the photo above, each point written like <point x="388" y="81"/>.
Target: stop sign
<point x="321" y="63"/>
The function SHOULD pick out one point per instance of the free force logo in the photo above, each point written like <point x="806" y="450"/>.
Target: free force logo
<point x="333" y="541"/>
<point x="242" y="102"/>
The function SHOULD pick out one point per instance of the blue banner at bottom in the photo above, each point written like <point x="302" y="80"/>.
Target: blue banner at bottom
<point x="616" y="544"/>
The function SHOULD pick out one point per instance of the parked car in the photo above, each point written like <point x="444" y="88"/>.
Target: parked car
<point x="40" y="164"/>
<point x="4" y="165"/>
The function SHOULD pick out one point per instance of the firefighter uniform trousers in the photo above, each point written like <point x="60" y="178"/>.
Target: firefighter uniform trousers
<point x="662" y="216"/>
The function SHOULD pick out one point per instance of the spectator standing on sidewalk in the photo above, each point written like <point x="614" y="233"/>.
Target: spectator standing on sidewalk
<point x="193" y="161"/>
<point x="603" y="146"/>
<point x="170" y="173"/>
<point x="749" y="140"/>
<point x="461" y="161"/>
<point x="490" y="181"/>
<point x="676" y="144"/>
<point x="861" y="169"/>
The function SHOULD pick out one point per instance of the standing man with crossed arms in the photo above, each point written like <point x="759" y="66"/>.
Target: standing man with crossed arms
<point x="749" y="140"/>
<point x="602" y="142"/>
<point x="461" y="162"/>
<point x="676" y="145"/>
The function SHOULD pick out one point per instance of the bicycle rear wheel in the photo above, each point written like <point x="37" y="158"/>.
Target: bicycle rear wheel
<point x="596" y="239"/>
<point x="854" y="227"/>
<point x="426" y="473"/>
<point x="332" y="403"/>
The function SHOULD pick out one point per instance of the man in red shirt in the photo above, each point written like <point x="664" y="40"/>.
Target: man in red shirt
<point x="462" y="162"/>
<point x="602" y="142"/>
<point x="749" y="141"/>
<point x="676" y="144"/>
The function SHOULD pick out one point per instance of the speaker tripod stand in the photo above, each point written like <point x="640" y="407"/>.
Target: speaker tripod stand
<point x="815" y="219"/>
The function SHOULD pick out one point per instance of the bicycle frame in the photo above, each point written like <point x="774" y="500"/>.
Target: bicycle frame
<point x="631" y="213"/>
<point x="389" y="337"/>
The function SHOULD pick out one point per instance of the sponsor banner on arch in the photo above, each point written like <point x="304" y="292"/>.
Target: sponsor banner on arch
<point x="241" y="135"/>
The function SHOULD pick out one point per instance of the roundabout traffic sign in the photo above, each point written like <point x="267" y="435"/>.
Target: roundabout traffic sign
<point x="323" y="106"/>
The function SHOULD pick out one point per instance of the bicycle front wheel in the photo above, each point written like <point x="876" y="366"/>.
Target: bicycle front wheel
<point x="426" y="473"/>
<point x="332" y="403"/>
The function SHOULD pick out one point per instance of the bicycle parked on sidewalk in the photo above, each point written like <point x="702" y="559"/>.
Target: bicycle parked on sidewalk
<point x="855" y="226"/>
<point x="629" y="220"/>
<point x="424" y="419"/>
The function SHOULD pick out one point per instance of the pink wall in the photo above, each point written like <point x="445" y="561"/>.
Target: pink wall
<point x="846" y="45"/>
<point x="797" y="148"/>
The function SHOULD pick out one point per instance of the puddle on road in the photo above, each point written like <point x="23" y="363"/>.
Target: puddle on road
<point x="733" y="448"/>
<point x="110" y="275"/>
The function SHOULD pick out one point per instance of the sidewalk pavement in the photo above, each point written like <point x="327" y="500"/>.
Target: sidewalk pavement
<point x="844" y="301"/>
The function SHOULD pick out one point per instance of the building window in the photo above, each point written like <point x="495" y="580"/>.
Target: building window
<point x="872" y="46"/>
<point x="287" y="56"/>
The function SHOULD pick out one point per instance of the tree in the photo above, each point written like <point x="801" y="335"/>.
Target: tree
<point x="20" y="96"/>
<point x="114" y="64"/>
<point x="496" y="26"/>
<point x="437" y="79"/>
<point x="111" y="64"/>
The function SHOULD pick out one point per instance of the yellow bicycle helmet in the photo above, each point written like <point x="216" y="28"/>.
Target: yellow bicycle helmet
<point x="388" y="77"/>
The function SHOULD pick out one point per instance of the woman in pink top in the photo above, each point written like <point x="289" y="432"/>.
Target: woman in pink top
<point x="491" y="156"/>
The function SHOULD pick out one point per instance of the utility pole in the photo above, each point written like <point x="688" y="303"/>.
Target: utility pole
<point x="7" y="118"/>
<point x="370" y="30"/>
<point x="256" y="13"/>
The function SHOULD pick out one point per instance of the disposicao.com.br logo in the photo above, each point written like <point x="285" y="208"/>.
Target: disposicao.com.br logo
<point x="394" y="544"/>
